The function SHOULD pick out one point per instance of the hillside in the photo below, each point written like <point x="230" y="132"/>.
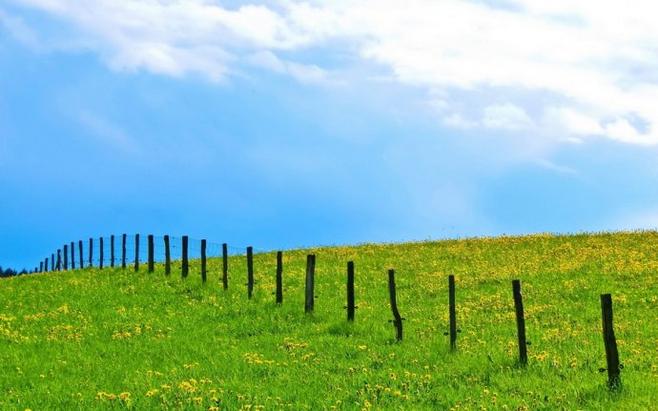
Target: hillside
<point x="114" y="338"/>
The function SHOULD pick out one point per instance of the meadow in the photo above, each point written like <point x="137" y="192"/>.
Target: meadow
<point x="115" y="339"/>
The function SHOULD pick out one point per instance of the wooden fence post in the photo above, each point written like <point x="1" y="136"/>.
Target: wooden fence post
<point x="46" y="261"/>
<point x="151" y="252"/>
<point x="610" y="342"/>
<point x="123" y="250"/>
<point x="91" y="252"/>
<point x="203" y="261"/>
<point x="397" y="319"/>
<point x="41" y="266"/>
<point x="520" y="322"/>
<point x="59" y="260"/>
<point x="279" y="277"/>
<point x="452" y="312"/>
<point x="52" y="262"/>
<point x="72" y="255"/>
<point x="101" y="251"/>
<point x="80" y="251"/>
<point x="250" y="271"/>
<point x="185" y="268"/>
<point x="167" y="255"/>
<point x="66" y="257"/>
<point x="112" y="251"/>
<point x="136" y="252"/>
<point x="309" y="302"/>
<point x="225" y="266"/>
<point x="350" y="291"/>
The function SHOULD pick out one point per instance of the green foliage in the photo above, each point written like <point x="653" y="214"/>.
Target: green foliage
<point x="118" y="339"/>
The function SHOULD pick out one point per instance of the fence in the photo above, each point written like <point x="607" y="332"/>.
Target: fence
<point x="130" y="251"/>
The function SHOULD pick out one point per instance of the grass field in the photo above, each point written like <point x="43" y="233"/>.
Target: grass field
<point x="119" y="339"/>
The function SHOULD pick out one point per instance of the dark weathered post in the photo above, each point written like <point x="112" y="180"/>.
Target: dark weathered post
<point x="101" y="251"/>
<point x="203" y="261"/>
<point x="610" y="342"/>
<point x="46" y="264"/>
<point x="82" y="260"/>
<point x="250" y="271"/>
<point x="59" y="260"/>
<point x="52" y="262"/>
<point x="225" y="266"/>
<point x="112" y="251"/>
<point x="66" y="257"/>
<point x="185" y="268"/>
<point x="279" y="277"/>
<point x="309" y="301"/>
<point x="520" y="322"/>
<point x="136" y="252"/>
<point x="123" y="250"/>
<point x="72" y="255"/>
<point x="452" y="312"/>
<point x="41" y="266"/>
<point x="91" y="252"/>
<point x="167" y="255"/>
<point x="151" y="252"/>
<point x="397" y="319"/>
<point x="350" y="291"/>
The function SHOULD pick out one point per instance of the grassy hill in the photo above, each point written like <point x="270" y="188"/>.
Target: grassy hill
<point x="119" y="339"/>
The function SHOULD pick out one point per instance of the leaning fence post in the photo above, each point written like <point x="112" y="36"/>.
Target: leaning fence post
<point x="279" y="277"/>
<point x="203" y="261"/>
<point x="72" y="245"/>
<point x="452" y="310"/>
<point x="397" y="319"/>
<point x="310" y="284"/>
<point x="250" y="271"/>
<point x="225" y="266"/>
<point x="66" y="257"/>
<point x="101" y="251"/>
<point x="610" y="342"/>
<point x="136" y="252"/>
<point x="91" y="252"/>
<point x="167" y="255"/>
<point x="151" y="262"/>
<point x="112" y="251"/>
<point x="82" y="260"/>
<point x="520" y="322"/>
<point x="123" y="250"/>
<point x="185" y="268"/>
<point x="350" y="291"/>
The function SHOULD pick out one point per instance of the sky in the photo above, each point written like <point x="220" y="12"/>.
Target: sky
<point x="285" y="123"/>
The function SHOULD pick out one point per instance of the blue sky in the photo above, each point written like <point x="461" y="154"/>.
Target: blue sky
<point x="283" y="123"/>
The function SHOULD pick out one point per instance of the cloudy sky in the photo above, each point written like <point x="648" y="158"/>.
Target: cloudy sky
<point x="289" y="123"/>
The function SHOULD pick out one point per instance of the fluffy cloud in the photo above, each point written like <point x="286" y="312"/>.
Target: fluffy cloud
<point x="577" y="69"/>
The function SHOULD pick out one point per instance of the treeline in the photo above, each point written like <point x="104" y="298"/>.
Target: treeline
<point x="9" y="272"/>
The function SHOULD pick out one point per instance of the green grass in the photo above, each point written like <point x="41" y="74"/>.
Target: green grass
<point x="119" y="339"/>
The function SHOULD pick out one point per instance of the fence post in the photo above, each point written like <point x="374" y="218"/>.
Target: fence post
<point x="82" y="260"/>
<point x="397" y="319"/>
<point x="203" y="261"/>
<point x="46" y="264"/>
<point x="91" y="252"/>
<point x="136" y="252"/>
<point x="225" y="265"/>
<point x="250" y="271"/>
<point x="123" y="250"/>
<point x="350" y="291"/>
<point x="72" y="245"/>
<point x="520" y="322"/>
<point x="151" y="251"/>
<point x="452" y="312"/>
<point x="101" y="251"/>
<point x="52" y="262"/>
<point x="66" y="257"/>
<point x="279" y="277"/>
<point x="167" y="255"/>
<point x="309" y="302"/>
<point x="610" y="342"/>
<point x="41" y="266"/>
<point x="185" y="268"/>
<point x="112" y="251"/>
<point x="59" y="260"/>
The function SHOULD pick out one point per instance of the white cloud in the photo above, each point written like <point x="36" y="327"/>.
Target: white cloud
<point x="578" y="68"/>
